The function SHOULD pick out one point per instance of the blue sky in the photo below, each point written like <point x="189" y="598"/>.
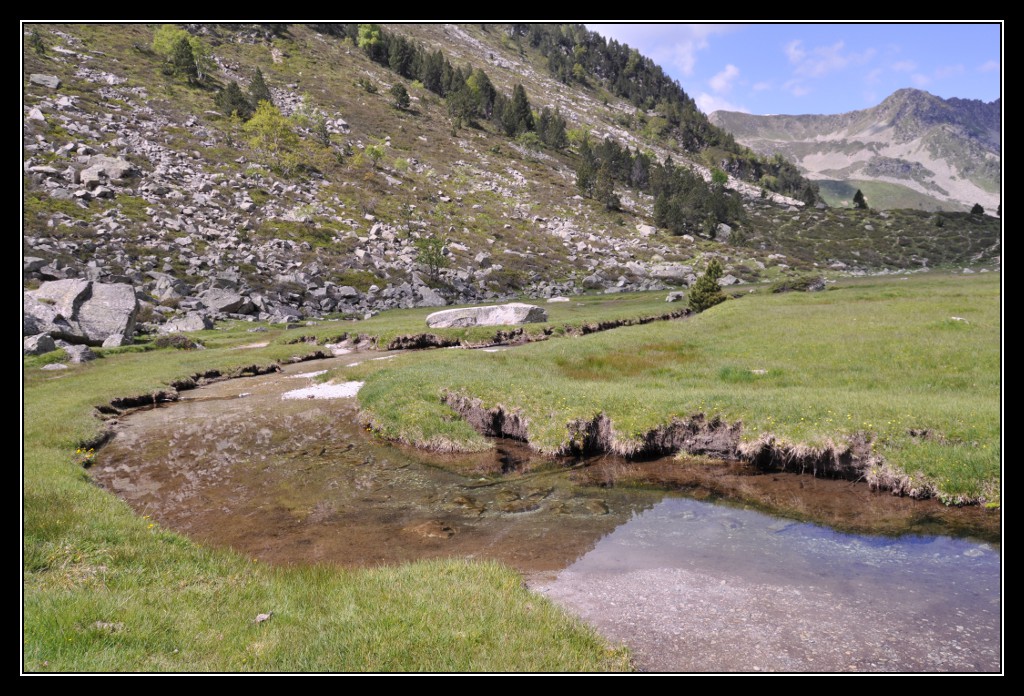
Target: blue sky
<point x="819" y="68"/>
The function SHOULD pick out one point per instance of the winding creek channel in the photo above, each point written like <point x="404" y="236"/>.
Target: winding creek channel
<point x="714" y="569"/>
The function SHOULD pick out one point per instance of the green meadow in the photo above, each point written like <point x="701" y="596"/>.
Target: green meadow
<point x="876" y="357"/>
<point x="108" y="590"/>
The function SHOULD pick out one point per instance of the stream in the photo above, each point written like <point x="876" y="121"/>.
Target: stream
<point x="698" y="573"/>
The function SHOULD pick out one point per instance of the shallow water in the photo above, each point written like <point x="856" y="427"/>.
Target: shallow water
<point x="297" y="481"/>
<point x="692" y="586"/>
<point x="689" y="585"/>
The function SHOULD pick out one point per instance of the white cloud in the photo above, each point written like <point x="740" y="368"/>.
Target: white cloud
<point x="665" y="44"/>
<point x="722" y="82"/>
<point x="904" y="66"/>
<point x="989" y="66"/>
<point x="949" y="71"/>
<point x="920" y="79"/>
<point x="710" y="102"/>
<point x="796" y="87"/>
<point x="873" y="76"/>
<point x="794" y="51"/>
<point x="761" y="86"/>
<point x="822" y="60"/>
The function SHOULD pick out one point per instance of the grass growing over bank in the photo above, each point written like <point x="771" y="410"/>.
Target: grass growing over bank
<point x="877" y="356"/>
<point x="107" y="590"/>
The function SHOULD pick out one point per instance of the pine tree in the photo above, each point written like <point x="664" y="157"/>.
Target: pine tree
<point x="977" y="209"/>
<point x="258" y="90"/>
<point x="706" y="292"/>
<point x="400" y="96"/>
<point x="231" y="100"/>
<point x="522" y="114"/>
<point x="36" y="42"/>
<point x="183" y="62"/>
<point x="604" y="190"/>
<point x="859" y="202"/>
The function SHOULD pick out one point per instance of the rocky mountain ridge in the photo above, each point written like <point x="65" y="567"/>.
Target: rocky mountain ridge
<point x="948" y="150"/>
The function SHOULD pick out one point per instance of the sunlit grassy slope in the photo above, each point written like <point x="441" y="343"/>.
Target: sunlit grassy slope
<point x="875" y="356"/>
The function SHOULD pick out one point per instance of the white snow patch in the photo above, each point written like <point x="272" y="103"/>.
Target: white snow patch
<point x="386" y="357"/>
<point x="325" y="391"/>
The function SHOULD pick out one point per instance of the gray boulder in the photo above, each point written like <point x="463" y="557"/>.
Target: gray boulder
<point x="79" y="354"/>
<point x="220" y="300"/>
<point x="30" y="264"/>
<point x="66" y="297"/>
<point x="82" y="311"/>
<point x="51" y="81"/>
<point x="429" y="298"/>
<point x="675" y="296"/>
<point x="108" y="317"/>
<point x="101" y="166"/>
<point x="43" y="317"/>
<point x="193" y="321"/>
<point x="491" y="315"/>
<point x="37" y="345"/>
<point x="672" y="272"/>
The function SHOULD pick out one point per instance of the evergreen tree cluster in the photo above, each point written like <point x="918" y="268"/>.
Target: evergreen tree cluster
<point x="470" y="95"/>
<point x="186" y="55"/>
<point x="683" y="201"/>
<point x="231" y="99"/>
<point x="574" y="53"/>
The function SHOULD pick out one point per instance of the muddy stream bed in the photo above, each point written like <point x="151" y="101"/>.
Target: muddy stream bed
<point x="698" y="567"/>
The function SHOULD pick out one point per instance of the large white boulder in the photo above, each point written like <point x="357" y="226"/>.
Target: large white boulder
<point x="490" y="315"/>
<point x="82" y="311"/>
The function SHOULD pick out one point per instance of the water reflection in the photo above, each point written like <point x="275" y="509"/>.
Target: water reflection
<point x="797" y="596"/>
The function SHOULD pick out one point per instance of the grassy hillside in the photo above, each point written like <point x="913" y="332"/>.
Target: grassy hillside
<point x="416" y="172"/>
<point x="882" y="195"/>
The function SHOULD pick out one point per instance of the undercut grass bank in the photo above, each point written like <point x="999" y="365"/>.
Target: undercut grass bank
<point x="106" y="590"/>
<point x="911" y="365"/>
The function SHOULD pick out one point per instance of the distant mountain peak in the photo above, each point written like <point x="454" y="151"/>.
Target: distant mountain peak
<point x="915" y="144"/>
